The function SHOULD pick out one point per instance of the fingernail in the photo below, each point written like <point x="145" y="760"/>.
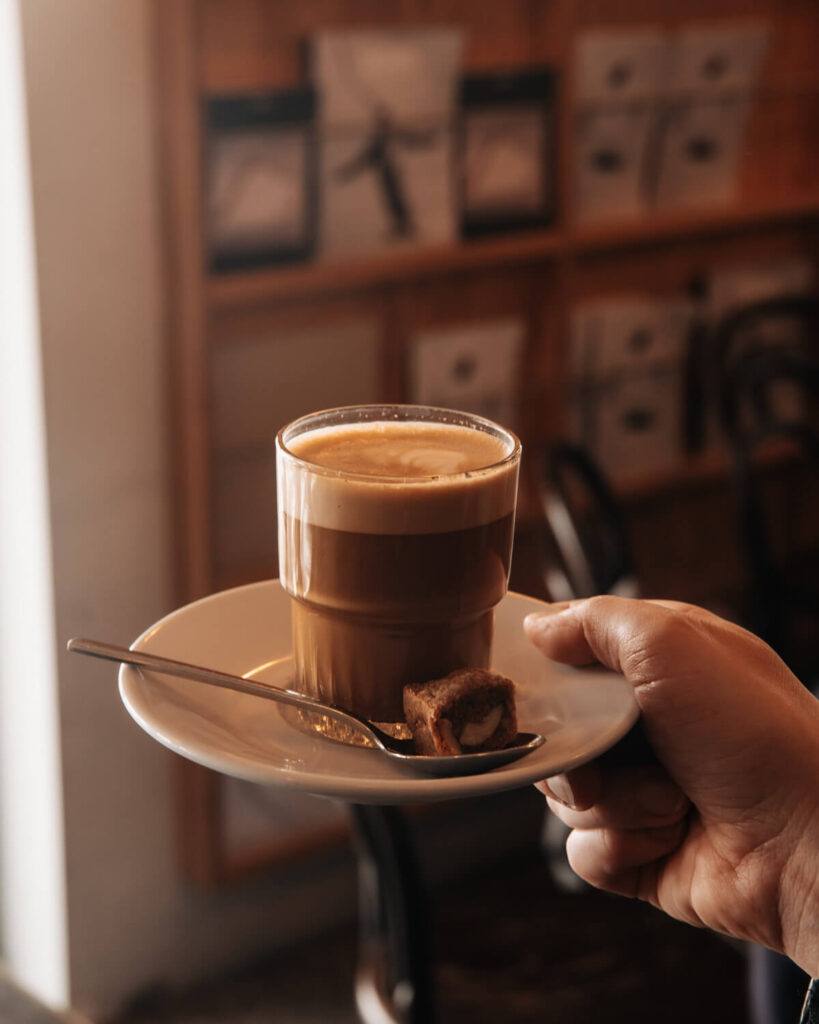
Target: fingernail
<point x="560" y="788"/>
<point x="660" y="798"/>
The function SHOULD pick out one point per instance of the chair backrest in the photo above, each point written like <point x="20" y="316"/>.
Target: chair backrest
<point x="774" y="598"/>
<point x="587" y="548"/>
<point x="742" y="342"/>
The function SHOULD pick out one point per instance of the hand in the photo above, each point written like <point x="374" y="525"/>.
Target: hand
<point x="724" y="831"/>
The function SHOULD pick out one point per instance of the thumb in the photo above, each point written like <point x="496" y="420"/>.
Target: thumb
<point x="599" y="629"/>
<point x="715" y="700"/>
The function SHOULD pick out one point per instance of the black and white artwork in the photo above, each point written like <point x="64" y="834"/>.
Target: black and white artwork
<point x="661" y="117"/>
<point x="506" y="159"/>
<point x="702" y="151"/>
<point x="639" y="423"/>
<point x="260" y="179"/>
<point x="611" y="161"/>
<point x="707" y="60"/>
<point x="626" y="382"/>
<point x="470" y="366"/>
<point x="617" y="79"/>
<point x="617" y="66"/>
<point x="387" y="102"/>
<point x="628" y="334"/>
<point x="712" y="74"/>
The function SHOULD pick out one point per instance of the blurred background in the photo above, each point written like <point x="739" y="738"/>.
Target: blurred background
<point x="595" y="223"/>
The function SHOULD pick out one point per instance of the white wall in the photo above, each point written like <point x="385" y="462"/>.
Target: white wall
<point x="131" y="921"/>
<point x="32" y="880"/>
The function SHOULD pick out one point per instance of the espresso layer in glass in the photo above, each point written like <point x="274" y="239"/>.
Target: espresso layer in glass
<point x="377" y="611"/>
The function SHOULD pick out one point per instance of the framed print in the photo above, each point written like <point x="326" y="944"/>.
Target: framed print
<point x="630" y="423"/>
<point x="470" y="366"/>
<point x="386" y="190"/>
<point x="701" y="153"/>
<point x="260" y="173"/>
<point x="616" y="66"/>
<point x="640" y="422"/>
<point x="709" y="60"/>
<point x="713" y="72"/>
<point x="627" y="334"/>
<point x="626" y="380"/>
<point x="387" y="103"/>
<point x="506" y="157"/>
<point x="612" y="146"/>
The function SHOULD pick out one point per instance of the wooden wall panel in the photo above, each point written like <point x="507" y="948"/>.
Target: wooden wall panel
<point x="257" y="44"/>
<point x="260" y="44"/>
<point x="496" y="36"/>
<point x="466" y="297"/>
<point x="668" y="13"/>
<point x="781" y="146"/>
<point x="543" y="393"/>
<point x="177" y="26"/>
<point x="261" y="384"/>
<point x="675" y="558"/>
<point x="796" y="32"/>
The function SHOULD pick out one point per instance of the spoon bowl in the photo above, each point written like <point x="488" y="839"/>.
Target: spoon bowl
<point x="399" y="749"/>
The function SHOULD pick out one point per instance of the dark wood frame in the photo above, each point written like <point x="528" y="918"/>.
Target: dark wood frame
<point x="533" y="90"/>
<point x="265" y="113"/>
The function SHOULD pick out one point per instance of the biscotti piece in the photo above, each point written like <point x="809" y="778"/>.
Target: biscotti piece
<point x="469" y="710"/>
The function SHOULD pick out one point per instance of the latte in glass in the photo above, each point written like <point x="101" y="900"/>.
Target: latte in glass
<point x="395" y="541"/>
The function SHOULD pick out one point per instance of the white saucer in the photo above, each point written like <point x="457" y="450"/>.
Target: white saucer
<point x="246" y="631"/>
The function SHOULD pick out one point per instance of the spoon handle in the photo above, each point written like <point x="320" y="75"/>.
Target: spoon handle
<point x="172" y="667"/>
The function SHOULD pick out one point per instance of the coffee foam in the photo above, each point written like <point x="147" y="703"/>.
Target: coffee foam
<point x="418" y="478"/>
<point x="400" y="449"/>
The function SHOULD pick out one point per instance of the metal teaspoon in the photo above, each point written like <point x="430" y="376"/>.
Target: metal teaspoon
<point x="398" y="749"/>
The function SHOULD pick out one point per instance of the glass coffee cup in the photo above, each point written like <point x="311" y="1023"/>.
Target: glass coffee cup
<point x="395" y="540"/>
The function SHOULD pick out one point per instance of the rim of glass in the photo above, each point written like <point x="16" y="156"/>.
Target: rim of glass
<point x="392" y="413"/>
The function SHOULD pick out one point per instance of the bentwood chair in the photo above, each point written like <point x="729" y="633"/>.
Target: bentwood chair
<point x="783" y="588"/>
<point x="766" y="375"/>
<point x="766" y="378"/>
<point x="586" y="547"/>
<point x="787" y="325"/>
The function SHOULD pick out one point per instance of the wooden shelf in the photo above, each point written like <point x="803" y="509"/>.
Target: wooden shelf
<point x="226" y="291"/>
<point x="662" y="226"/>
<point x="324" y="277"/>
<point x="696" y="471"/>
<point x="687" y="474"/>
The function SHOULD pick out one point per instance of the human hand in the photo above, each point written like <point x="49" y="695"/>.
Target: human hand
<point x="724" y="831"/>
